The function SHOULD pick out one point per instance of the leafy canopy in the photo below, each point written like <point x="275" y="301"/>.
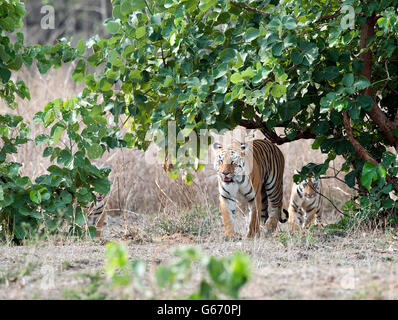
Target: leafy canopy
<point x="300" y="65"/>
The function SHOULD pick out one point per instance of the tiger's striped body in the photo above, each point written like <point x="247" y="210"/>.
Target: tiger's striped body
<point x="252" y="174"/>
<point x="305" y="204"/>
<point x="96" y="214"/>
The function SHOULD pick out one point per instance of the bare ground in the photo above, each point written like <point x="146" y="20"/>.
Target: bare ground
<point x="316" y="265"/>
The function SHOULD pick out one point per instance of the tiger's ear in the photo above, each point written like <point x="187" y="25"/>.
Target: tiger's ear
<point x="295" y="171"/>
<point x="243" y="146"/>
<point x="216" y="146"/>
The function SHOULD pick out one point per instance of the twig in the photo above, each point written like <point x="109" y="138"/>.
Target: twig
<point x="150" y="11"/>
<point x="248" y="8"/>
<point x="341" y="212"/>
<point x="164" y="61"/>
<point x="338" y="179"/>
<point x="329" y="17"/>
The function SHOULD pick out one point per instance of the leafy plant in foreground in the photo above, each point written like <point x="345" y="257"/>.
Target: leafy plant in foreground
<point x="60" y="195"/>
<point x="224" y="277"/>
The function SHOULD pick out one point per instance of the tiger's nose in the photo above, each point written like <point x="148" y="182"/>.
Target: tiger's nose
<point x="225" y="172"/>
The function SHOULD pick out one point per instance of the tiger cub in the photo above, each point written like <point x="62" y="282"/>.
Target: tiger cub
<point x="305" y="204"/>
<point x="96" y="215"/>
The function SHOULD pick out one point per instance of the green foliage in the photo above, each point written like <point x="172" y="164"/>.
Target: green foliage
<point x="373" y="209"/>
<point x="72" y="179"/>
<point x="208" y="66"/>
<point x="372" y="172"/>
<point x="205" y="66"/>
<point x="224" y="276"/>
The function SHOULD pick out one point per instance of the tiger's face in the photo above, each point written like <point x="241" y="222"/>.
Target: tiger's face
<point x="310" y="187"/>
<point x="229" y="162"/>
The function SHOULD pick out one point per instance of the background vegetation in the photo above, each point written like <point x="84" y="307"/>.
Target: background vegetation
<point x="217" y="65"/>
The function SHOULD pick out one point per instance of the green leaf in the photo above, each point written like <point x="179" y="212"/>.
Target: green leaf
<point x="35" y="196"/>
<point x="80" y="71"/>
<point x="5" y="74"/>
<point x="248" y="73"/>
<point x="369" y="174"/>
<point x="350" y="179"/>
<point x="104" y="84"/>
<point x="221" y="85"/>
<point x="362" y="83"/>
<point x="365" y="102"/>
<point x="205" y="5"/>
<point x="56" y="132"/>
<point x="113" y="26"/>
<point x="331" y="73"/>
<point x="95" y="59"/>
<point x="227" y="54"/>
<point x="188" y="180"/>
<point x="277" y="49"/>
<point x="95" y="151"/>
<point x="321" y="128"/>
<point x="81" y="47"/>
<point x="92" y="231"/>
<point x="140" y="32"/>
<point x="193" y="82"/>
<point x="289" y="23"/>
<point x="102" y="185"/>
<point x="236" y="78"/>
<point x="296" y="56"/>
<point x="348" y="79"/>
<point x="251" y="34"/>
<point x="41" y="138"/>
<point x="278" y="90"/>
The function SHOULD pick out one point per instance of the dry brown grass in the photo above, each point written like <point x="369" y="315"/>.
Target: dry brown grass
<point x="139" y="187"/>
<point x="314" y="266"/>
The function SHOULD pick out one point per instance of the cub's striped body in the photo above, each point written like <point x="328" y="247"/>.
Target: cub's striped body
<point x="305" y="204"/>
<point x="96" y="215"/>
<point x="252" y="174"/>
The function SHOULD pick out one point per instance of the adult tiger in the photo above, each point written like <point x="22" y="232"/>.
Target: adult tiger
<point x="254" y="174"/>
<point x="305" y="204"/>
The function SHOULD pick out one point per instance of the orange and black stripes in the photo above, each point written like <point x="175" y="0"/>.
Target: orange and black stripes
<point x="253" y="174"/>
<point x="305" y="204"/>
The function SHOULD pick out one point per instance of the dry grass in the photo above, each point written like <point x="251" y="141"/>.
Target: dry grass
<point x="312" y="266"/>
<point x="138" y="187"/>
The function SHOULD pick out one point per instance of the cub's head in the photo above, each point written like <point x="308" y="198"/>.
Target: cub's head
<point x="229" y="161"/>
<point x="310" y="187"/>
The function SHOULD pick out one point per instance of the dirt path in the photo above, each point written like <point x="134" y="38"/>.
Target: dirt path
<point x="315" y="266"/>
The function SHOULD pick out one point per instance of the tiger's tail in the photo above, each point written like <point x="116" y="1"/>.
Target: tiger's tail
<point x="284" y="216"/>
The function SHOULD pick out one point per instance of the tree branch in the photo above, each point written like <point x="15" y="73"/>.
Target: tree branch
<point x="248" y="8"/>
<point x="361" y="151"/>
<point x="376" y="114"/>
<point x="272" y="136"/>
<point x="329" y="17"/>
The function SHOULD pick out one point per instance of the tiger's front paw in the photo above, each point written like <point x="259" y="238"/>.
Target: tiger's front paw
<point x="252" y="234"/>
<point x="232" y="237"/>
<point x="270" y="226"/>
